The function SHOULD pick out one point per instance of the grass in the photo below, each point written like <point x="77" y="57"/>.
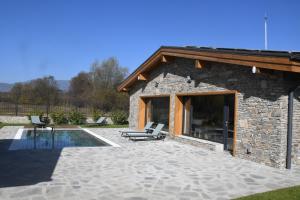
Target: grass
<point x="291" y="193"/>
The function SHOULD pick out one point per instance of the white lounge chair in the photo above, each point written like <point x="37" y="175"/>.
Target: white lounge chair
<point x="155" y="134"/>
<point x="145" y="130"/>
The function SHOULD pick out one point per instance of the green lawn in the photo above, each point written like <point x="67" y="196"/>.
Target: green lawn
<point x="292" y="193"/>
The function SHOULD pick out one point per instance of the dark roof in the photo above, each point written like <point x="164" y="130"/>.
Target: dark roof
<point x="287" y="54"/>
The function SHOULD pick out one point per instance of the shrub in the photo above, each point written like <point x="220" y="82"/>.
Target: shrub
<point x="59" y="117"/>
<point x="76" y="117"/>
<point x="119" y="117"/>
<point x="96" y="115"/>
<point x="35" y="113"/>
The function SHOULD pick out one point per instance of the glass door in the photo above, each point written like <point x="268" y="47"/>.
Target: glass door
<point x="209" y="117"/>
<point x="157" y="111"/>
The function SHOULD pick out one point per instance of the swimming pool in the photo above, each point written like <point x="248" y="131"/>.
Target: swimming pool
<point x="58" y="139"/>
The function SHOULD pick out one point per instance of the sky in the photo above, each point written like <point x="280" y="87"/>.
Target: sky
<point x="64" y="37"/>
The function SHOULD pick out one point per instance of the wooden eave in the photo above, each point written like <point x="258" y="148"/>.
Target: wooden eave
<point x="267" y="62"/>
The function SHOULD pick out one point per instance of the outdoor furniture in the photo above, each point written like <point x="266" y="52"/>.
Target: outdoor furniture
<point x="155" y="134"/>
<point x="101" y="121"/>
<point x="35" y="120"/>
<point x="145" y="130"/>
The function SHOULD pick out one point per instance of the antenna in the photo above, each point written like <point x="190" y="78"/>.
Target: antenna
<point x="266" y="32"/>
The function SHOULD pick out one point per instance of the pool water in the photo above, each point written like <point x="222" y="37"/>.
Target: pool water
<point x="58" y="139"/>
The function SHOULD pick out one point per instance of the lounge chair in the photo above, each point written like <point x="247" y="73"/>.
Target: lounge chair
<point x="155" y="134"/>
<point x="35" y="120"/>
<point x="145" y="130"/>
<point x="100" y="121"/>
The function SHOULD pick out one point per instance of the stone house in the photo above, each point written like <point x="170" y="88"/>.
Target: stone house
<point x="246" y="102"/>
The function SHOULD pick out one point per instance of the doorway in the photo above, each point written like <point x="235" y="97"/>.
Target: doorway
<point x="210" y="117"/>
<point x="155" y="109"/>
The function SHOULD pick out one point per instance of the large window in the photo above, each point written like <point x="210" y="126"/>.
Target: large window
<point x="209" y="117"/>
<point x="157" y="110"/>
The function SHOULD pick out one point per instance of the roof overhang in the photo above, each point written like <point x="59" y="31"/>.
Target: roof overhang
<point x="248" y="59"/>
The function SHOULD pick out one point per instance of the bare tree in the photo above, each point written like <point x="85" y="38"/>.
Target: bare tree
<point x="80" y="89"/>
<point x="16" y="95"/>
<point x="106" y="76"/>
<point x="46" y="91"/>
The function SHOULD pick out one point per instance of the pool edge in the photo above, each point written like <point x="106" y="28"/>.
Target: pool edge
<point x="101" y="138"/>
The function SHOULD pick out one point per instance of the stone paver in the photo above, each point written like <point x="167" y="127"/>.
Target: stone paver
<point x="136" y="170"/>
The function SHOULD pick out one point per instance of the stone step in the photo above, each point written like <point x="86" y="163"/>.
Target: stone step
<point x="213" y="146"/>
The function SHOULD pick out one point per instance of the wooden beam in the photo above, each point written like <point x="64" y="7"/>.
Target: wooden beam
<point x="142" y="77"/>
<point x="233" y="56"/>
<point x="223" y="92"/>
<point x="199" y="64"/>
<point x="276" y="66"/>
<point x="164" y="59"/>
<point x="178" y="120"/>
<point x="142" y="114"/>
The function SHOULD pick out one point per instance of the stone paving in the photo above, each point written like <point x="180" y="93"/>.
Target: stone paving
<point x="136" y="170"/>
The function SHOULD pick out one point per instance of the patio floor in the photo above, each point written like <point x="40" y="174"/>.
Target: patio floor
<point x="136" y="170"/>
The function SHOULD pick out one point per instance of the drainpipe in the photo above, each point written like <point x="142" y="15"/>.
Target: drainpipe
<point x="290" y="129"/>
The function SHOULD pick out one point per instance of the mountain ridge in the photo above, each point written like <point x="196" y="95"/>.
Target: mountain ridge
<point x="62" y="85"/>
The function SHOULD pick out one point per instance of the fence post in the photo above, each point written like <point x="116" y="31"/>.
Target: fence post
<point x="16" y="108"/>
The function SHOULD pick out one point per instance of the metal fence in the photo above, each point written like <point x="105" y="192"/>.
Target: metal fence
<point x="25" y="109"/>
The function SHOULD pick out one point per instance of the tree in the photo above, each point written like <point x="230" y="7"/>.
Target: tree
<point x="98" y="88"/>
<point x="108" y="74"/>
<point x="105" y="77"/>
<point x="16" y="94"/>
<point x="80" y="89"/>
<point x="46" y="91"/>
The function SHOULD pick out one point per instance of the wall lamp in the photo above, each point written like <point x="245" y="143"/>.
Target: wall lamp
<point x="255" y="70"/>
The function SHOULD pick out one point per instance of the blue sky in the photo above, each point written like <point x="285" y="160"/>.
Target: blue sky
<point x="62" y="38"/>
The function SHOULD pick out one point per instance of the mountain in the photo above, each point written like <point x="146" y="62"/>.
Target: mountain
<point x="62" y="85"/>
<point x="5" y="87"/>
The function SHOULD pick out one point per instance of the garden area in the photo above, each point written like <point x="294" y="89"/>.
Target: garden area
<point x="89" y="96"/>
<point x="117" y="119"/>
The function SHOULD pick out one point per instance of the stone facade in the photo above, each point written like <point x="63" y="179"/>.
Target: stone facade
<point x="296" y="129"/>
<point x="261" y="125"/>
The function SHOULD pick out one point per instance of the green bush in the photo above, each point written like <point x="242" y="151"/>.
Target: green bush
<point x="119" y="117"/>
<point x="76" y="117"/>
<point x="35" y="113"/>
<point x="59" y="117"/>
<point x="96" y="115"/>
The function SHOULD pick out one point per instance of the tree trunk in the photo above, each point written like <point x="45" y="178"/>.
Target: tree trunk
<point x="47" y="109"/>
<point x="16" y="108"/>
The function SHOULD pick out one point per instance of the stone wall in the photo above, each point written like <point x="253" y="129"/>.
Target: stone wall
<point x="296" y="129"/>
<point x="262" y="103"/>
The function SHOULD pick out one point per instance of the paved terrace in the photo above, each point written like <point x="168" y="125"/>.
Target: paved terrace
<point x="137" y="170"/>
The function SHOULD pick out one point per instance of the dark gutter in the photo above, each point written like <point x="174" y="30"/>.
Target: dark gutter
<point x="290" y="130"/>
